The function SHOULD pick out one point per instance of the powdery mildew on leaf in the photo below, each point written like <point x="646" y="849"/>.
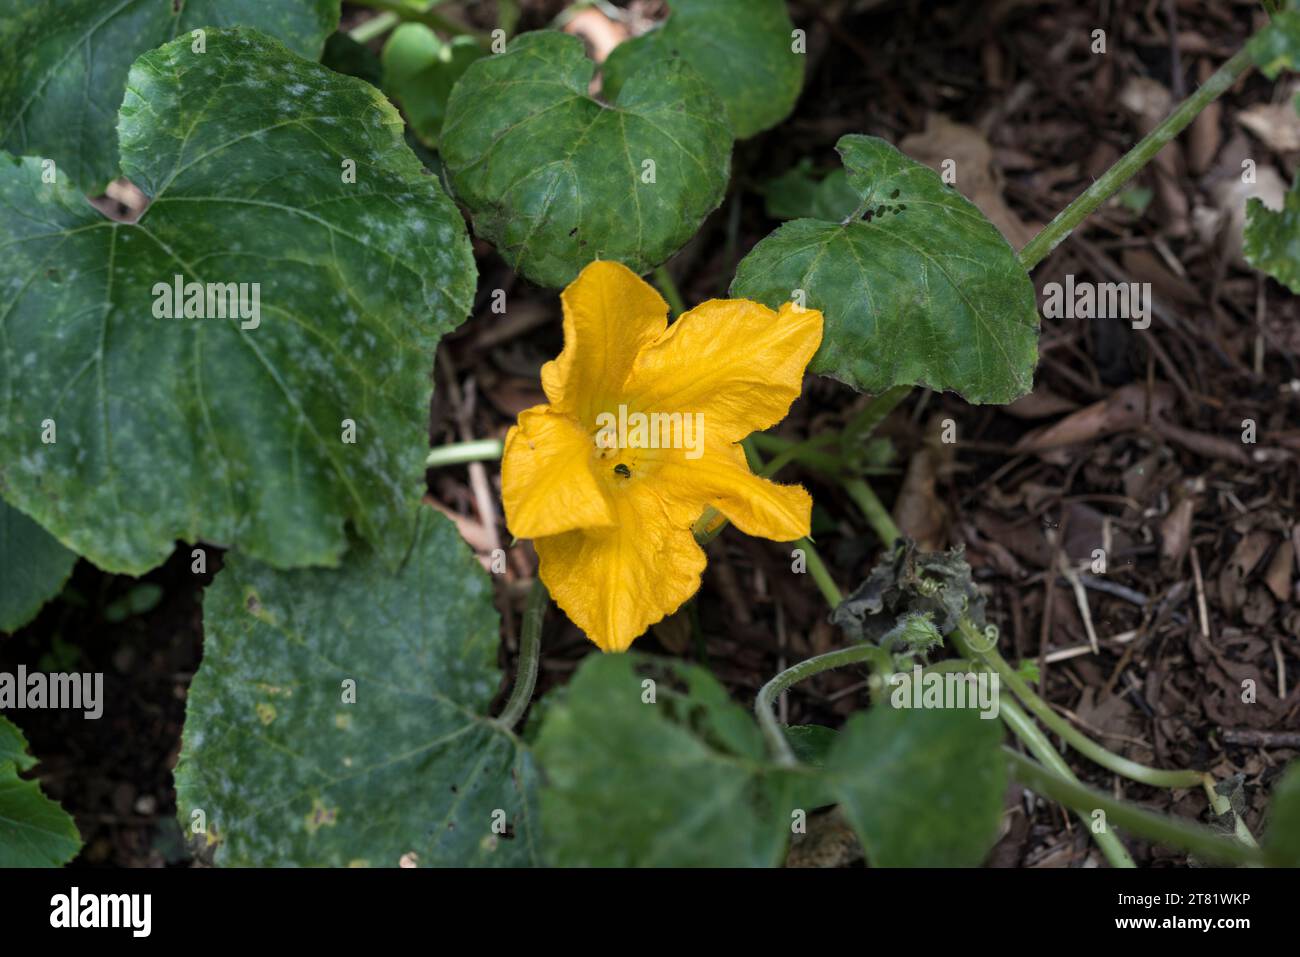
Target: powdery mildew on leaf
<point x="62" y="86"/>
<point x="287" y="771"/>
<point x="194" y="428"/>
<point x="918" y="288"/>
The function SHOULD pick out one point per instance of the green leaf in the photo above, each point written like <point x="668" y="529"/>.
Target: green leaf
<point x="919" y="288"/>
<point x="200" y="428"/>
<point x="799" y="193"/>
<point x="921" y="788"/>
<point x="555" y="178"/>
<point x="679" y="781"/>
<point x="33" y="568"/>
<point x="285" y="772"/>
<point x="743" y="48"/>
<point x="1277" y="47"/>
<point x="34" y="831"/>
<point x="1273" y="238"/>
<point x="420" y="70"/>
<point x="345" y="55"/>
<point x="1282" y="838"/>
<point x="63" y="80"/>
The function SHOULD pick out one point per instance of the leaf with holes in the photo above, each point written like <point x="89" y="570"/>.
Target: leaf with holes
<point x="555" y="178"/>
<point x="34" y="831"/>
<point x="744" y="49"/>
<point x="922" y="788"/>
<point x="668" y="773"/>
<point x="62" y="84"/>
<point x="33" y="567"/>
<point x="303" y="409"/>
<point x="917" y="287"/>
<point x="340" y="715"/>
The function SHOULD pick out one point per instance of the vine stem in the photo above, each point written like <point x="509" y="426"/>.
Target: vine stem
<point x="873" y="510"/>
<point x="458" y="453"/>
<point x="1155" y="827"/>
<point x="668" y="286"/>
<point x="764" y="709"/>
<point x="1024" y="728"/>
<point x="530" y="650"/>
<point x="874" y="412"/>
<point x="1038" y="248"/>
<point x="393" y="12"/>
<point x="973" y="645"/>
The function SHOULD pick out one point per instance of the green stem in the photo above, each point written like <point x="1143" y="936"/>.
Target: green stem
<point x="458" y="453"/>
<point x="1037" y="249"/>
<point x="1155" y="827"/>
<point x="1222" y="805"/>
<point x="805" y="452"/>
<point x="1025" y="729"/>
<point x="764" y="704"/>
<point x="393" y="12"/>
<point x="873" y="510"/>
<point x="974" y="645"/>
<point x="668" y="286"/>
<point x="530" y="649"/>
<point x="820" y="573"/>
<point x="862" y="425"/>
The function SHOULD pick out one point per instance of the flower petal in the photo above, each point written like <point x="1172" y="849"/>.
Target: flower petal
<point x="547" y="485"/>
<point x="616" y="582"/>
<point x="610" y="314"/>
<point x="721" y="478"/>
<point x="737" y="361"/>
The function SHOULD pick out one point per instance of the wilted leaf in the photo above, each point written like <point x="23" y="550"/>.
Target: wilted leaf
<point x="33" y="568"/>
<point x="201" y="428"/>
<point x="34" y="831"/>
<point x="287" y="770"/>
<point x="908" y="583"/>
<point x="918" y="288"/>
<point x="556" y="179"/>
<point x="66" y="69"/>
<point x="743" y="48"/>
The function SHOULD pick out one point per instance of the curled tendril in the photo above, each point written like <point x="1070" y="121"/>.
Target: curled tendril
<point x="990" y="636"/>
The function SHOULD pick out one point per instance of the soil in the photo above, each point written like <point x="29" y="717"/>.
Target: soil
<point x="1131" y="443"/>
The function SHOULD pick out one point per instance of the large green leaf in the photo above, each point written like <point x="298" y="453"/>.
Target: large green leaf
<point x="420" y="70"/>
<point x="200" y="428"/>
<point x="922" y="788"/>
<point x="744" y="49"/>
<point x="64" y="63"/>
<point x="917" y="288"/>
<point x="556" y="178"/>
<point x="286" y="772"/>
<point x="1273" y="236"/>
<point x="33" y="568"/>
<point x="680" y="781"/>
<point x="34" y="831"/>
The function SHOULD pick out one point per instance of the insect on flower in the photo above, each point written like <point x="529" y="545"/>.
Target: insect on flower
<point x="611" y="509"/>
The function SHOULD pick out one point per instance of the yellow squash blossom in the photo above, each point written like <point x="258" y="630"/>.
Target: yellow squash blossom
<point x="611" y="520"/>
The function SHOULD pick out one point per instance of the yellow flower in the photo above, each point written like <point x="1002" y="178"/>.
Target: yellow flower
<point x="610" y="514"/>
